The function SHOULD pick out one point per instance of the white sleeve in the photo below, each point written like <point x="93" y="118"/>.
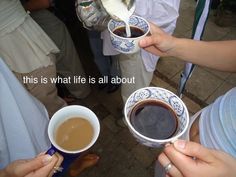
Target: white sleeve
<point x="23" y="120"/>
<point x="163" y="13"/>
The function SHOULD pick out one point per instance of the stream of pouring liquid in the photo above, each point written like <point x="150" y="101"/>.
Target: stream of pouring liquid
<point x="123" y="13"/>
<point x="127" y="28"/>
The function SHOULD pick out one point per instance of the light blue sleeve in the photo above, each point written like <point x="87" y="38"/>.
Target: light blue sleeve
<point x="23" y="121"/>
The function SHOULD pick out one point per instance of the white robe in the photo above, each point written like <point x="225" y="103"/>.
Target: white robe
<point x="24" y="46"/>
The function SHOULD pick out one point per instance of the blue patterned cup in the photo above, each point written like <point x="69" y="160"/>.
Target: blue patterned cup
<point x="164" y="97"/>
<point x="124" y="44"/>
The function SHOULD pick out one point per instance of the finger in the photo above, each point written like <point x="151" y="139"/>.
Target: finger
<point x="46" y="170"/>
<point x="60" y="158"/>
<point x="174" y="172"/>
<point x="58" y="163"/>
<point x="194" y="150"/>
<point x="155" y="29"/>
<point x="149" y="40"/>
<point x="154" y="50"/>
<point x="181" y="161"/>
<point x="31" y="165"/>
<point x="41" y="154"/>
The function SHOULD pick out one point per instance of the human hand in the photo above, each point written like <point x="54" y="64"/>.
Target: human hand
<point x="158" y="43"/>
<point x="40" y="166"/>
<point x="92" y="15"/>
<point x="207" y="162"/>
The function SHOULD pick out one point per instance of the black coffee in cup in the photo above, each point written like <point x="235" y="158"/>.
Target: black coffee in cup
<point x="154" y="119"/>
<point x="135" y="32"/>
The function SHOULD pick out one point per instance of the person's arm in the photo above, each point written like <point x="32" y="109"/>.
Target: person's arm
<point x="41" y="166"/>
<point x="32" y="5"/>
<point x="220" y="55"/>
<point x="206" y="162"/>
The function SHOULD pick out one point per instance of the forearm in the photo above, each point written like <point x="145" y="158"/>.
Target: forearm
<point x="219" y="55"/>
<point x="33" y="5"/>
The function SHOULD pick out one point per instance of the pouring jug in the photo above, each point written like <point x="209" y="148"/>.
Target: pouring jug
<point x="119" y="9"/>
<point x="95" y="14"/>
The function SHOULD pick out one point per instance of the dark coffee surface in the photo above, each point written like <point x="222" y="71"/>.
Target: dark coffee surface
<point x="135" y="32"/>
<point x="154" y="119"/>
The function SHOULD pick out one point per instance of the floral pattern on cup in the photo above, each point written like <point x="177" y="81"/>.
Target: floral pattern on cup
<point x="160" y="94"/>
<point x="122" y="45"/>
<point x="127" y="45"/>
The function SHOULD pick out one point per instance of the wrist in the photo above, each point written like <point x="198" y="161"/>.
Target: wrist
<point x="177" y="48"/>
<point x="172" y="44"/>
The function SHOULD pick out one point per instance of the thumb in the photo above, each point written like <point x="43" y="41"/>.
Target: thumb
<point x="154" y="39"/>
<point x="155" y="29"/>
<point x="147" y="41"/>
<point x="33" y="164"/>
<point x="194" y="150"/>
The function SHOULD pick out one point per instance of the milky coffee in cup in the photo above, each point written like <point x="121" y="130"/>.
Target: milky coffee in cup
<point x="74" y="134"/>
<point x="73" y="129"/>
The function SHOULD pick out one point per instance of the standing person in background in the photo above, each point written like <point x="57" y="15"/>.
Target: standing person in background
<point x="177" y="158"/>
<point x="94" y="19"/>
<point x="108" y="66"/>
<point x="67" y="60"/>
<point x="141" y="64"/>
<point x="29" y="53"/>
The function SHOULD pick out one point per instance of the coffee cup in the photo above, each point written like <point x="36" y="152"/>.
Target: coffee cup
<point x="156" y="116"/>
<point x="67" y="128"/>
<point x="128" y="45"/>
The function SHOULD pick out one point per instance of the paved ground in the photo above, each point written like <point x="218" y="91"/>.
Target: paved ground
<point x="121" y="155"/>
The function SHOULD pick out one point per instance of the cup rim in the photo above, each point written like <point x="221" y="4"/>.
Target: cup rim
<point x="50" y="134"/>
<point x="130" y="37"/>
<point x="172" y="139"/>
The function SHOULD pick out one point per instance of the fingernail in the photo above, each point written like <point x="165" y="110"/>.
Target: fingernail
<point x="180" y="144"/>
<point x="167" y="144"/>
<point x="47" y="159"/>
<point x="142" y="42"/>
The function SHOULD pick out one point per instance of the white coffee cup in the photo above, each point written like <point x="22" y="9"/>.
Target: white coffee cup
<point x="66" y="113"/>
<point x="167" y="98"/>
<point x="128" y="45"/>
